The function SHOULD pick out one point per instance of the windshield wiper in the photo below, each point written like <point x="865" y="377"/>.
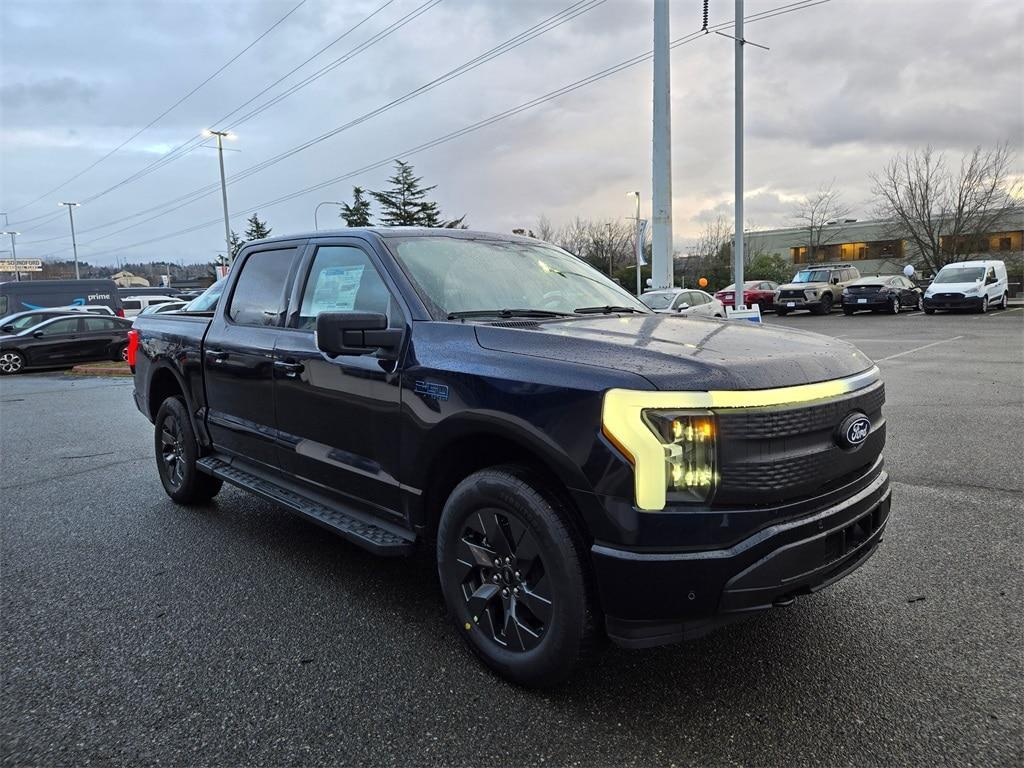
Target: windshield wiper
<point x="606" y="310"/>
<point x="506" y="313"/>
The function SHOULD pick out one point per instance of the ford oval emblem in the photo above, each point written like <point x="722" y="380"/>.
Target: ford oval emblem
<point x="853" y="431"/>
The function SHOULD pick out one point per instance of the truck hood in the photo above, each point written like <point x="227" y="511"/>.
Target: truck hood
<point x="684" y="353"/>
<point x="952" y="287"/>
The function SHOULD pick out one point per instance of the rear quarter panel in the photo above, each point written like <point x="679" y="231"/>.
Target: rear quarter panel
<point x="173" y="342"/>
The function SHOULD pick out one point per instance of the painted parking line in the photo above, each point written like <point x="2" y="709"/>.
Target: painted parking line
<point x="917" y="349"/>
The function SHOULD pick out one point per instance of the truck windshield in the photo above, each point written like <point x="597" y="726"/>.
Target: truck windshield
<point x="960" y="274"/>
<point x="811" y="276"/>
<point x="455" y="275"/>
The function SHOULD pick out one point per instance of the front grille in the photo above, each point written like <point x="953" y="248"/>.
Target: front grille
<point x="949" y="296"/>
<point x="791" y="294"/>
<point x="783" y="453"/>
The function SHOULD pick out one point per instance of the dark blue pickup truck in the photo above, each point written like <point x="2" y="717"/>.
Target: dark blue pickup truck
<point x="583" y="467"/>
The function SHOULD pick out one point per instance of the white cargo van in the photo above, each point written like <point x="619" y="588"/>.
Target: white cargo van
<point x="976" y="285"/>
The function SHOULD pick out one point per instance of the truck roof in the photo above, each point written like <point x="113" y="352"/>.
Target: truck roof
<point x="386" y="232"/>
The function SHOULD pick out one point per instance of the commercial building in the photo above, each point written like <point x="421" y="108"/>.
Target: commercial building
<point x="876" y="247"/>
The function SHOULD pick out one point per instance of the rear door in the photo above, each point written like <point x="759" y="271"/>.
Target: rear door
<point x="100" y="336"/>
<point x="238" y="354"/>
<point x="338" y="418"/>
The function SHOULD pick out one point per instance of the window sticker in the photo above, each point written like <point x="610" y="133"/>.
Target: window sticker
<point x="336" y="289"/>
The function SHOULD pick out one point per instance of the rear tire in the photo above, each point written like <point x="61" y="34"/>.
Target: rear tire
<point x="122" y="354"/>
<point x="513" y="571"/>
<point x="894" y="306"/>
<point x="11" y="362"/>
<point x="176" y="454"/>
<point x="929" y="311"/>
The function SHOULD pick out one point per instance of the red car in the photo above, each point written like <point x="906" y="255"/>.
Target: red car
<point x="760" y="292"/>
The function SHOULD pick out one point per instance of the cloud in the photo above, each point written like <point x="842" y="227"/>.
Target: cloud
<point x="50" y="92"/>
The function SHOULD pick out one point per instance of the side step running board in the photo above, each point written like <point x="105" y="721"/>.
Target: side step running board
<point x="379" y="538"/>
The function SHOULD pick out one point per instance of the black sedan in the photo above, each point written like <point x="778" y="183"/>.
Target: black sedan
<point x="882" y="293"/>
<point x="65" y="340"/>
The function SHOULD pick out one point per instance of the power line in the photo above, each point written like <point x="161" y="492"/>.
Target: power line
<point x="163" y="114"/>
<point x="548" y="24"/>
<point x="569" y="88"/>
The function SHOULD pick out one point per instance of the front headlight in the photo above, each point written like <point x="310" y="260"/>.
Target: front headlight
<point x="810" y="293"/>
<point x="689" y="442"/>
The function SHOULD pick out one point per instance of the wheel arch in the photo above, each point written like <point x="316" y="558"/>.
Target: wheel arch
<point x="470" y="446"/>
<point x="164" y="382"/>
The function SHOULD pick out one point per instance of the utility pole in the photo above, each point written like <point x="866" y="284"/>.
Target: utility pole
<point x="14" y="254"/>
<point x="74" y="244"/>
<point x="221" y="135"/>
<point x="661" y="208"/>
<point x="737" y="251"/>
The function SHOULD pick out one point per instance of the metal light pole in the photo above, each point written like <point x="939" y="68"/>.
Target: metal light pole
<point x="317" y="210"/>
<point x="661" y="208"/>
<point x="221" y="135"/>
<point x="74" y="243"/>
<point x="14" y="254"/>
<point x="637" y="245"/>
<point x="737" y="255"/>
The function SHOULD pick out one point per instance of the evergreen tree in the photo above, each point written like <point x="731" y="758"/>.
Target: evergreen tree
<point x="236" y="244"/>
<point x="405" y="204"/>
<point x="256" y="229"/>
<point x="357" y="214"/>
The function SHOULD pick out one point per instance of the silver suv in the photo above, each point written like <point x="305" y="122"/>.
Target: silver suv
<point x="817" y="288"/>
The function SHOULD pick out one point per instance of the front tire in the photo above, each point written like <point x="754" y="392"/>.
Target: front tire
<point x="929" y="311"/>
<point x="984" y="305"/>
<point x="825" y="307"/>
<point x="1005" y="301"/>
<point x="176" y="454"/>
<point x="513" y="571"/>
<point x="11" y="362"/>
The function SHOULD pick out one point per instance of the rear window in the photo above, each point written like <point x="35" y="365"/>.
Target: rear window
<point x="99" y="324"/>
<point x="131" y="304"/>
<point x="258" y="298"/>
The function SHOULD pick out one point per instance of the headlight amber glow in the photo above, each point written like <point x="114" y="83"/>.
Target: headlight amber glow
<point x="688" y="439"/>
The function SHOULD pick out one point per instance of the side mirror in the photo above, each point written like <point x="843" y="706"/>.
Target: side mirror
<point x="38" y="334"/>
<point x="835" y="281"/>
<point x="355" y="333"/>
<point x="7" y="328"/>
<point x="683" y="306"/>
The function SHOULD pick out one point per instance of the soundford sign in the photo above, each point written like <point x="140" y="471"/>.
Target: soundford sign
<point x="24" y="265"/>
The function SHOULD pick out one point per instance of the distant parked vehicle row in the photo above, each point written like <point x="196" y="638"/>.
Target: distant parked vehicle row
<point x="133" y="305"/>
<point x="65" y="340"/>
<point x="760" y="293"/>
<point x="166" y="306"/>
<point x="19" y="321"/>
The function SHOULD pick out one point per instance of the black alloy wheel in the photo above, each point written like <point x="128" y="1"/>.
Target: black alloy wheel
<point x="514" y="571"/>
<point x="894" y="307"/>
<point x="502" y="577"/>
<point x="176" y="454"/>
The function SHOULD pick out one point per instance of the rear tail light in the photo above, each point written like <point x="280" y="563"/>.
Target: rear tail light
<point x="133" y="346"/>
<point x="120" y="313"/>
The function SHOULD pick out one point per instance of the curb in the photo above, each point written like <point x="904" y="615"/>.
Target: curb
<point x="95" y="370"/>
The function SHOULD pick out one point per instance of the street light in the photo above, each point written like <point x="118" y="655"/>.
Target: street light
<point x="14" y="253"/>
<point x="317" y="209"/>
<point x="221" y="135"/>
<point x="74" y="245"/>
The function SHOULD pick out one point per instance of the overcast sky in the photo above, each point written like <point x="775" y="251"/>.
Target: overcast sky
<point x="846" y="84"/>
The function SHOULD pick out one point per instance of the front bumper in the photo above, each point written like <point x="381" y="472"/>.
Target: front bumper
<point x="793" y="304"/>
<point x="963" y="302"/>
<point x="875" y="301"/>
<point x="652" y="598"/>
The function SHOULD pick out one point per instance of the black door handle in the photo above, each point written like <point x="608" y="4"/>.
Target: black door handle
<point x="289" y="369"/>
<point x="216" y="356"/>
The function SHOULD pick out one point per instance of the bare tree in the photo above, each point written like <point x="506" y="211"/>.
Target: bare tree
<point x="818" y="215"/>
<point x="711" y="255"/>
<point x="941" y="211"/>
<point x="545" y="231"/>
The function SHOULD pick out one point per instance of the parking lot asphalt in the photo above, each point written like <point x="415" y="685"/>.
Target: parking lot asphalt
<point x="137" y="632"/>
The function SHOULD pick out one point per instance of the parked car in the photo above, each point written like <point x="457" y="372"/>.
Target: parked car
<point x="133" y="305"/>
<point x="817" y="288"/>
<point x="975" y="285"/>
<point x="889" y="293"/>
<point x="759" y="292"/>
<point x="683" y="301"/>
<point x="65" y="340"/>
<point x="165" y="306"/>
<point x="577" y="463"/>
<point x="19" y="296"/>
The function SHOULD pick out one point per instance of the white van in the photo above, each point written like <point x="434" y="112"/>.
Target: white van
<point x="975" y="285"/>
<point x="132" y="305"/>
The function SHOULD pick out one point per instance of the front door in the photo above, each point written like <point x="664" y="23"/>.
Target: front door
<point x="239" y="356"/>
<point x="338" y="418"/>
<point x="55" y="343"/>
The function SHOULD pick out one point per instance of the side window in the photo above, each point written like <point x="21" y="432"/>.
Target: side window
<point x="682" y="298"/>
<point x="131" y="304"/>
<point x="61" y="327"/>
<point x="258" y="298"/>
<point x="343" y="279"/>
<point x="98" y="324"/>
<point x="27" y="321"/>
